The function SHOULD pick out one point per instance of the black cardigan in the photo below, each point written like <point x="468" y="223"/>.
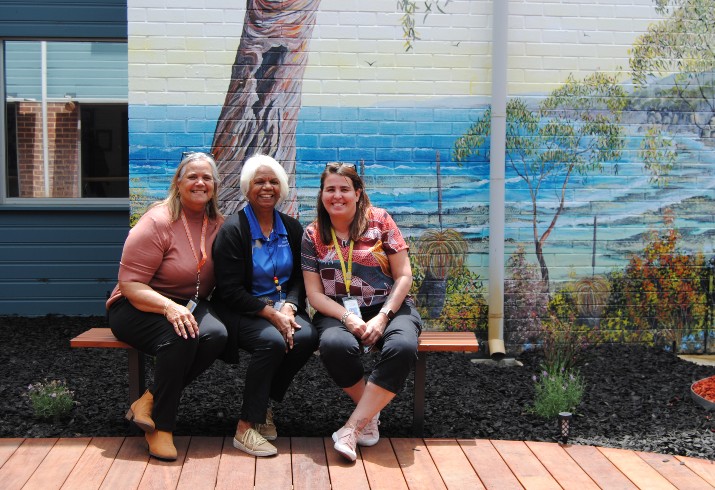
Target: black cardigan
<point x="233" y="265"/>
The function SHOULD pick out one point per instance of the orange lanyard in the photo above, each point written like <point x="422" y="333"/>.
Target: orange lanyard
<point x="202" y="261"/>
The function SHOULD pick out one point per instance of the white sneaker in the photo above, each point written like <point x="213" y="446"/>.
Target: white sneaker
<point x="370" y="435"/>
<point x="345" y="440"/>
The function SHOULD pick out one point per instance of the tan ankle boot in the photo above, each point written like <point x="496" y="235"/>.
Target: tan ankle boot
<point x="161" y="444"/>
<point x="140" y="412"/>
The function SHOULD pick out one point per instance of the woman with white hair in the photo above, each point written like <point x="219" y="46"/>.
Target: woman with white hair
<point x="261" y="296"/>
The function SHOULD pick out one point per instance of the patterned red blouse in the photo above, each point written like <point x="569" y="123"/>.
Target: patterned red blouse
<point x="371" y="276"/>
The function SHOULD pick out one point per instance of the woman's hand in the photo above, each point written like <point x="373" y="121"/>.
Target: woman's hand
<point x="182" y="319"/>
<point x="143" y="297"/>
<point x="355" y="325"/>
<point x="374" y="328"/>
<point x="283" y="321"/>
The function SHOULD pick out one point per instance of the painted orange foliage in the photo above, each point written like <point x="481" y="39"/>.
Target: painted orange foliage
<point x="663" y="291"/>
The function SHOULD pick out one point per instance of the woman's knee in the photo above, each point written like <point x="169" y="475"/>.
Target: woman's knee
<point x="270" y="342"/>
<point x="402" y="349"/>
<point x="336" y="343"/>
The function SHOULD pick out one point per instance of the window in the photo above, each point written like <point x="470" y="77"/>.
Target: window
<point x="65" y="132"/>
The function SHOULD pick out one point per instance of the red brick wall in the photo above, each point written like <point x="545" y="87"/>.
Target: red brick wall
<point x="63" y="149"/>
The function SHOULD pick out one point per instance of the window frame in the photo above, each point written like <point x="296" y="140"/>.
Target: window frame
<point x="54" y="203"/>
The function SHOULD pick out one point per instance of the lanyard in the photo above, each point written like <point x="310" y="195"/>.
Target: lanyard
<point x="202" y="261"/>
<point x="347" y="274"/>
<point x="272" y="249"/>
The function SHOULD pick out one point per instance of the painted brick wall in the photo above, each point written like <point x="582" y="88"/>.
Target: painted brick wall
<point x="366" y="99"/>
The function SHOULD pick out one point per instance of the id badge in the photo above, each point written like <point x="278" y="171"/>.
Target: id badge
<point x="191" y="305"/>
<point x="278" y="305"/>
<point x="351" y="305"/>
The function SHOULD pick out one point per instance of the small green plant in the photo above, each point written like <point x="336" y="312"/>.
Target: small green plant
<point x="559" y="391"/>
<point x="563" y="342"/>
<point x="50" y="399"/>
<point x="560" y="386"/>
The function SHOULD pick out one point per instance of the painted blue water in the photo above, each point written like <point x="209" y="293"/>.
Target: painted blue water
<point x="403" y="179"/>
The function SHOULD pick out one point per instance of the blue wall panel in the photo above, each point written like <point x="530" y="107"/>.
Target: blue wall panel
<point x="79" y="19"/>
<point x="59" y="262"/>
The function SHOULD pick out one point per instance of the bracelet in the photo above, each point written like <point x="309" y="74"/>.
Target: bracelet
<point x="345" y="316"/>
<point x="166" y="306"/>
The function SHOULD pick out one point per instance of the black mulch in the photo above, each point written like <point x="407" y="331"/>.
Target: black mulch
<point x="637" y="397"/>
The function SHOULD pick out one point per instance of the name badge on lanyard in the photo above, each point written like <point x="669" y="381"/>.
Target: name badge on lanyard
<point x="349" y="302"/>
<point x="193" y="303"/>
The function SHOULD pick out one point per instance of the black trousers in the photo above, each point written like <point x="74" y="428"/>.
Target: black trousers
<point x="341" y="351"/>
<point x="178" y="361"/>
<point x="271" y="369"/>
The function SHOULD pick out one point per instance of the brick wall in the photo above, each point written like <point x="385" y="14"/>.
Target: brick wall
<point x="366" y="98"/>
<point x="63" y="150"/>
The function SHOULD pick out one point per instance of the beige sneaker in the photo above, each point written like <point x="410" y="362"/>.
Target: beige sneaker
<point x="268" y="430"/>
<point x="254" y="444"/>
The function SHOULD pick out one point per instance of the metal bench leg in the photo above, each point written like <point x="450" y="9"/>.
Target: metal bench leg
<point x="418" y="416"/>
<point x="136" y="375"/>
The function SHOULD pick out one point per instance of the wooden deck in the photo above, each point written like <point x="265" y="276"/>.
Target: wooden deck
<point x="311" y="463"/>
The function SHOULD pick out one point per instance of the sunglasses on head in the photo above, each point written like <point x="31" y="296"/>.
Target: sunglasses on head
<point x="185" y="154"/>
<point x="337" y="165"/>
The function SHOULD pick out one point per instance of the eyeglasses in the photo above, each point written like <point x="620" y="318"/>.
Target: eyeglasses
<point x="185" y="154"/>
<point x="337" y="165"/>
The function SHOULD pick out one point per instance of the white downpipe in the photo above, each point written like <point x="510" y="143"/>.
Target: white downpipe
<point x="496" y="178"/>
<point x="45" y="145"/>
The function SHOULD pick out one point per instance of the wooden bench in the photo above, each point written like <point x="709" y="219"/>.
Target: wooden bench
<point x="429" y="342"/>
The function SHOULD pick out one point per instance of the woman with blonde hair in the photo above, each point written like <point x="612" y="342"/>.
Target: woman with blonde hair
<point x="161" y="305"/>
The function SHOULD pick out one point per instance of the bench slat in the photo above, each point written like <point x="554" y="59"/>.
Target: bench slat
<point x="428" y="341"/>
<point x="448" y="341"/>
<point x="98" y="337"/>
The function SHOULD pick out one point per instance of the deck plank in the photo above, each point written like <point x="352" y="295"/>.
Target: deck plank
<point x="57" y="465"/>
<point x="489" y="465"/>
<point x="704" y="468"/>
<point x="637" y="470"/>
<point x="128" y="468"/>
<point x="599" y="468"/>
<point x="525" y="465"/>
<point x="201" y="464"/>
<point x="453" y="465"/>
<point x="383" y="470"/>
<point x="236" y="469"/>
<point x="310" y="468"/>
<point x="343" y="473"/>
<point x="561" y="466"/>
<point x="275" y="471"/>
<point x="165" y="474"/>
<point x="312" y="463"/>
<point x="24" y="461"/>
<point x="8" y="447"/>
<point x="417" y="464"/>
<point x="678" y="474"/>
<point x="92" y="467"/>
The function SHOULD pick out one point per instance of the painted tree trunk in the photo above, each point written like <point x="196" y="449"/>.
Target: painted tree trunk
<point x="262" y="103"/>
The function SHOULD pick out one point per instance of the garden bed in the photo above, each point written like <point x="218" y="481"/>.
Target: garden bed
<point x="636" y="397"/>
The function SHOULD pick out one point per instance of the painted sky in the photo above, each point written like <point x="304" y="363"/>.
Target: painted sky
<point x="182" y="54"/>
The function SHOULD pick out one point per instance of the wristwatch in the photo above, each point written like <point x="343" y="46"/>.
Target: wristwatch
<point x="292" y="307"/>
<point x="388" y="313"/>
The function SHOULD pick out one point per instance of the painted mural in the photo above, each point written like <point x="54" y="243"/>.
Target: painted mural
<point x="610" y="167"/>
